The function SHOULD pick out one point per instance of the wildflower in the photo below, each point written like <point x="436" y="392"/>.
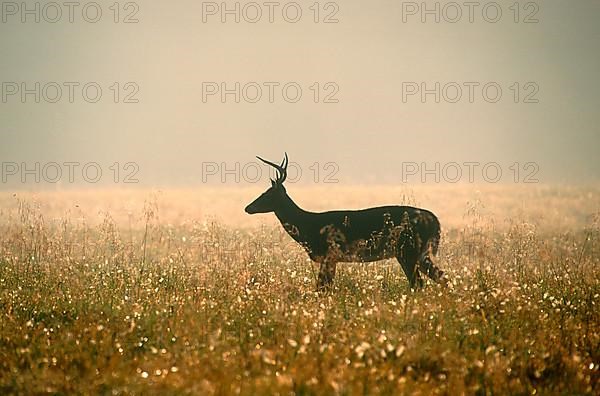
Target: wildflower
<point x="361" y="349"/>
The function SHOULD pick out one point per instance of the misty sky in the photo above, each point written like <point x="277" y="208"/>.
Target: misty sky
<point x="371" y="57"/>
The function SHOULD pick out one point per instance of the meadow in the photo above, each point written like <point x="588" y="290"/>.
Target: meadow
<point x="180" y="292"/>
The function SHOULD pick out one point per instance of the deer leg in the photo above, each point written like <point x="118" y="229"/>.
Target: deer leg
<point x="429" y="268"/>
<point x="408" y="258"/>
<point x="411" y="270"/>
<point x="326" y="274"/>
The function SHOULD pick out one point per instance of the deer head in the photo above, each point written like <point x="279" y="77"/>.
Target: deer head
<point x="271" y="199"/>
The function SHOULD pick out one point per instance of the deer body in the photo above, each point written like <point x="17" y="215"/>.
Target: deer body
<point x="403" y="232"/>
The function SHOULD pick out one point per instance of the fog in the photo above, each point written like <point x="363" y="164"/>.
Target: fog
<point x="376" y="97"/>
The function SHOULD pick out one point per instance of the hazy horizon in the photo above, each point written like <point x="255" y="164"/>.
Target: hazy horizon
<point x="370" y="58"/>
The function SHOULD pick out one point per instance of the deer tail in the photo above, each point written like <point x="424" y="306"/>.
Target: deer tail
<point x="435" y="239"/>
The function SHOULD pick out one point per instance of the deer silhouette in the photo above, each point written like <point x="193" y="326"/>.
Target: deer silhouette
<point x="409" y="234"/>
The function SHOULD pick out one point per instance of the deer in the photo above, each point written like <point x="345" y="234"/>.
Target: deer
<point x="409" y="234"/>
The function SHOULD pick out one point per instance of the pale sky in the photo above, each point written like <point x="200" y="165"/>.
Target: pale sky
<point x="371" y="57"/>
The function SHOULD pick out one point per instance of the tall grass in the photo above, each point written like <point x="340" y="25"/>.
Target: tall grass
<point x="150" y="306"/>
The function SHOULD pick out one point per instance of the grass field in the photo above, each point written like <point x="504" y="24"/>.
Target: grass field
<point x="178" y="292"/>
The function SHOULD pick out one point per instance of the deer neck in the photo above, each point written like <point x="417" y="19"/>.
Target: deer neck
<point x="290" y="215"/>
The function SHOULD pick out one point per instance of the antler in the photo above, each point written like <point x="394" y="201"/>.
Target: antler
<point x="281" y="169"/>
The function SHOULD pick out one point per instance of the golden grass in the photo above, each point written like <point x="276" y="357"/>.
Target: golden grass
<point x="551" y="207"/>
<point x="180" y="292"/>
